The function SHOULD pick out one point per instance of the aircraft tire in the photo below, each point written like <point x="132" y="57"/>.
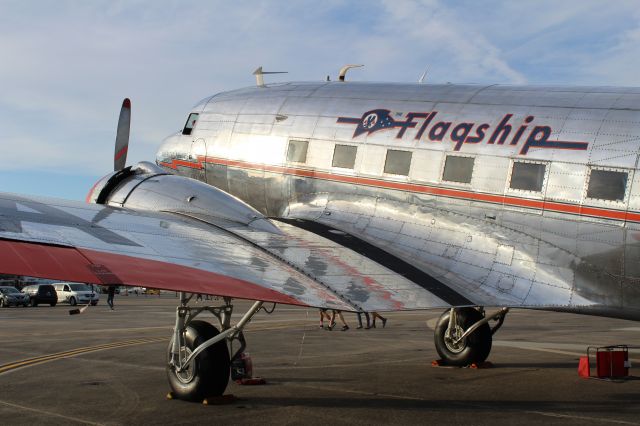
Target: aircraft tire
<point x="208" y="375"/>
<point x="476" y="347"/>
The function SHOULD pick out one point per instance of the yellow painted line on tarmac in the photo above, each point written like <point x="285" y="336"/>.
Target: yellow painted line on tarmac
<point x="29" y="362"/>
<point x="102" y="330"/>
<point x="75" y="352"/>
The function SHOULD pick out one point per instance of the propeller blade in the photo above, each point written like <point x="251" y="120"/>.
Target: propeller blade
<point x="122" y="137"/>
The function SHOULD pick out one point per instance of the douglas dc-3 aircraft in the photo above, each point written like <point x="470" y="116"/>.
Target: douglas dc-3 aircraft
<point x="360" y="197"/>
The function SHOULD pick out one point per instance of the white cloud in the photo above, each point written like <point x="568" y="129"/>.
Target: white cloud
<point x="68" y="64"/>
<point x="620" y="61"/>
<point x="439" y="35"/>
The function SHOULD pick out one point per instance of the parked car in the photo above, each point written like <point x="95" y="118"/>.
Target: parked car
<point x="41" y="293"/>
<point x="74" y="293"/>
<point x="136" y="290"/>
<point x="11" y="296"/>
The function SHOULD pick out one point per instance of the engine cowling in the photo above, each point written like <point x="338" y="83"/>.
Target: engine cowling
<point x="146" y="186"/>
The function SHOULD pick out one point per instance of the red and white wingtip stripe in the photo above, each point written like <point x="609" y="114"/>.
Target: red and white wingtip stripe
<point x="122" y="136"/>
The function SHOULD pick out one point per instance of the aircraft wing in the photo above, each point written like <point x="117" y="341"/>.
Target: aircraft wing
<point x="198" y="253"/>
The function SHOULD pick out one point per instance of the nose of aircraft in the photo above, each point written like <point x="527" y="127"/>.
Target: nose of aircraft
<point x="170" y="149"/>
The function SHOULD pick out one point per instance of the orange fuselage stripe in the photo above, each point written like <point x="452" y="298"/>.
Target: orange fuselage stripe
<point x="418" y="188"/>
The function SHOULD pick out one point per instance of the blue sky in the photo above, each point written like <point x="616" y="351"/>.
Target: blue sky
<point x="67" y="65"/>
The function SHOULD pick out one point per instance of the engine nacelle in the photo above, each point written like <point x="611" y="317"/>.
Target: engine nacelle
<point x="146" y="186"/>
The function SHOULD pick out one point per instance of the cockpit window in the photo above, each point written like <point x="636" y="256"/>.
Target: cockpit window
<point x="191" y="123"/>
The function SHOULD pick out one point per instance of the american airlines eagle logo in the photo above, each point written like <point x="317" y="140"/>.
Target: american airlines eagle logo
<point x="507" y="132"/>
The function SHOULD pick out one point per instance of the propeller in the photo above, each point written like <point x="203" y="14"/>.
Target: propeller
<point x="122" y="136"/>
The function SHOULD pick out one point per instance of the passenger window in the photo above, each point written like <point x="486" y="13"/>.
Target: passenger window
<point x="397" y="162"/>
<point x="607" y="185"/>
<point x="66" y="288"/>
<point x="527" y="176"/>
<point x="458" y="169"/>
<point x="344" y="156"/>
<point x="190" y="124"/>
<point x="297" y="151"/>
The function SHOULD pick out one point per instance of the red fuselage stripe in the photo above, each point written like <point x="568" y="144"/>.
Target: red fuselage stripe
<point x="418" y="188"/>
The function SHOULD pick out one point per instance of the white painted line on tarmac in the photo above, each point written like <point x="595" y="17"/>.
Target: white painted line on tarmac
<point x="431" y="323"/>
<point x="626" y="329"/>
<point x="50" y="413"/>
<point x="591" y="419"/>
<point x="556" y="348"/>
<point x="343" y="365"/>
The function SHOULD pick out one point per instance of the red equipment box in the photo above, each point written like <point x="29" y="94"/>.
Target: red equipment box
<point x="611" y="362"/>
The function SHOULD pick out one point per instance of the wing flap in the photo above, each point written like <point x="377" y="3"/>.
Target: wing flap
<point x="361" y="281"/>
<point x="110" y="268"/>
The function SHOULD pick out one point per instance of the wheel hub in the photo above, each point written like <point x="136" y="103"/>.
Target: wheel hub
<point x="451" y="339"/>
<point x="187" y="374"/>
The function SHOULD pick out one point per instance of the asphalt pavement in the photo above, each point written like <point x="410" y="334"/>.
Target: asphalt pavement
<point x="108" y="367"/>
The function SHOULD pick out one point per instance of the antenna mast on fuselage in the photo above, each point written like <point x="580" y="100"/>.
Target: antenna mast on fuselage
<point x="259" y="75"/>
<point x="343" y="71"/>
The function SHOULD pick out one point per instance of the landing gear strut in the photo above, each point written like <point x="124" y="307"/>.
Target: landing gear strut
<point x="463" y="337"/>
<point x="198" y="358"/>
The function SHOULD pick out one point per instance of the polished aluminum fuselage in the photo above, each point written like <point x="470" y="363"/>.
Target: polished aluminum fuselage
<point x="549" y="249"/>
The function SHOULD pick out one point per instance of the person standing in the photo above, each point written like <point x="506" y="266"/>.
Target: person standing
<point x="111" y="292"/>
<point x="324" y="314"/>
<point x="366" y="315"/>
<point x="377" y="315"/>
<point x="332" y="324"/>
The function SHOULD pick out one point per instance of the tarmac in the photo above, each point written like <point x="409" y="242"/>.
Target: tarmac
<point x="108" y="367"/>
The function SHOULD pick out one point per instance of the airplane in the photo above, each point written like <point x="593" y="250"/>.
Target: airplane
<point x="360" y="197"/>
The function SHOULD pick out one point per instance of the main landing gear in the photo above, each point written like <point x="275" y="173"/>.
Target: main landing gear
<point x="463" y="337"/>
<point x="198" y="358"/>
